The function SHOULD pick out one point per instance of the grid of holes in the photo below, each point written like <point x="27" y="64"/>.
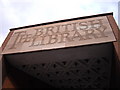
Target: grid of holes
<point x="78" y="82"/>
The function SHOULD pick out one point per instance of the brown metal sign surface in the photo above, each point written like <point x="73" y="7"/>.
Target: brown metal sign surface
<point x="60" y="35"/>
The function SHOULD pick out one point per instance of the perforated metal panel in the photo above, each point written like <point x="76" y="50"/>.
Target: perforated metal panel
<point x="90" y="66"/>
<point x="83" y="73"/>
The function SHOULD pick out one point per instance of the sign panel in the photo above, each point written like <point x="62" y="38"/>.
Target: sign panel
<point x="60" y="35"/>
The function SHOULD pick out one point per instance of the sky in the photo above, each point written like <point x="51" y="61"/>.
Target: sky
<point x="18" y="13"/>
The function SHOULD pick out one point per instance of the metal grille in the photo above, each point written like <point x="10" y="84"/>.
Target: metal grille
<point x="82" y="73"/>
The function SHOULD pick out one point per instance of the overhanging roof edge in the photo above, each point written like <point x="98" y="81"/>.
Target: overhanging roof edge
<point x="84" y="17"/>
